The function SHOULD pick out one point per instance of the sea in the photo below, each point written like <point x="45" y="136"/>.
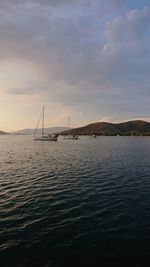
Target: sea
<point x="71" y="203"/>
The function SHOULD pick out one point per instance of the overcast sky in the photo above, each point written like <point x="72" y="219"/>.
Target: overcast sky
<point x="89" y="60"/>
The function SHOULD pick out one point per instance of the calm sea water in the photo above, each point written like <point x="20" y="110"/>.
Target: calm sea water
<point x="75" y="203"/>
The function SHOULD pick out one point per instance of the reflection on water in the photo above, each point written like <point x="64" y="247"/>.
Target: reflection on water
<point x="75" y="203"/>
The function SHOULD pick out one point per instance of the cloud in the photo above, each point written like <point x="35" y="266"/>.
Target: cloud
<point x="132" y="26"/>
<point x="106" y="119"/>
<point x="90" y="52"/>
<point x="28" y="89"/>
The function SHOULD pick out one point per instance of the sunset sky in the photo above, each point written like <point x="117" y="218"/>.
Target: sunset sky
<point x="89" y="60"/>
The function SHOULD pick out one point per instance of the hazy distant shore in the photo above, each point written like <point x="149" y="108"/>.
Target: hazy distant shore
<point x="130" y="128"/>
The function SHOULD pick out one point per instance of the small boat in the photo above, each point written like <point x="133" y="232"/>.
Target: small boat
<point x="69" y="136"/>
<point x="48" y="137"/>
<point x="92" y="135"/>
<point x="44" y="137"/>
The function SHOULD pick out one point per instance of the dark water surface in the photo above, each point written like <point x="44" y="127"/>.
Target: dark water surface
<point x="75" y="203"/>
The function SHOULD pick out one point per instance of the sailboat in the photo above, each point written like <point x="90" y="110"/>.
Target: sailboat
<point x="69" y="136"/>
<point x="44" y="137"/>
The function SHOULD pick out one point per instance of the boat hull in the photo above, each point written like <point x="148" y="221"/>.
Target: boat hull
<point x="71" y="138"/>
<point x="45" y="139"/>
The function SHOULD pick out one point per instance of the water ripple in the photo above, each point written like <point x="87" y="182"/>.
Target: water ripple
<point x="64" y="202"/>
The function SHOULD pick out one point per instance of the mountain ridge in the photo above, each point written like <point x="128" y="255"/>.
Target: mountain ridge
<point x="134" y="127"/>
<point x="29" y="131"/>
<point x="2" y="132"/>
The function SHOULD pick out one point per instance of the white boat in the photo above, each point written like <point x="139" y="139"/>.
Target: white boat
<point x="44" y="137"/>
<point x="48" y="137"/>
<point x="69" y="136"/>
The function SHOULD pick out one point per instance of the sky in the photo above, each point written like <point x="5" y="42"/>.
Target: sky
<point x="89" y="60"/>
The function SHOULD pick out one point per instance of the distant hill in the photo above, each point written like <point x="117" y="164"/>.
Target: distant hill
<point x="1" y="132"/>
<point x="136" y="127"/>
<point x="38" y="132"/>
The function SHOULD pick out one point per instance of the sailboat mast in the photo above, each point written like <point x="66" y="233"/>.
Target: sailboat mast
<point x="68" y="124"/>
<point x="43" y="121"/>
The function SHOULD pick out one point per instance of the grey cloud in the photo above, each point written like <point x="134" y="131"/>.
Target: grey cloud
<point x="83" y="51"/>
<point x="19" y="91"/>
<point x="29" y="88"/>
<point x="132" y="26"/>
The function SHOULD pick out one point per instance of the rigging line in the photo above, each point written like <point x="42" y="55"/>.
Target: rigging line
<point x="43" y="121"/>
<point x="38" y="123"/>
